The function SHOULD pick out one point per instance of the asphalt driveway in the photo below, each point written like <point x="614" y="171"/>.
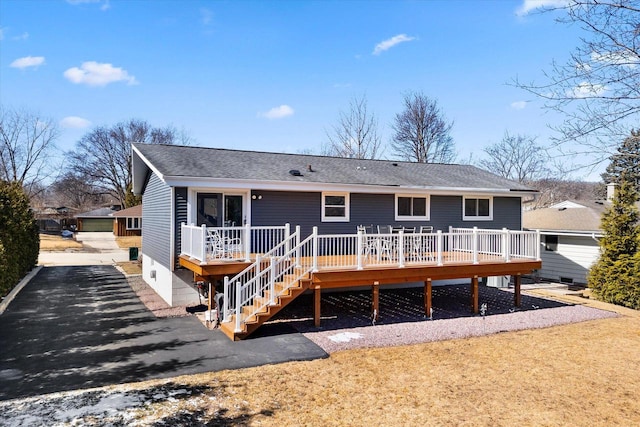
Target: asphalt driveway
<point x="76" y="327"/>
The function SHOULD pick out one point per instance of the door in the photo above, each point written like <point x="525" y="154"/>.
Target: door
<point x="217" y="210"/>
<point x="210" y="209"/>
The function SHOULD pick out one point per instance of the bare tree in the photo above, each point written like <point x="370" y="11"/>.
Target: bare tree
<point x="356" y="134"/>
<point x="27" y="145"/>
<point x="75" y="191"/>
<point x="598" y="88"/>
<point x="516" y="157"/>
<point x="421" y="132"/>
<point x="103" y="155"/>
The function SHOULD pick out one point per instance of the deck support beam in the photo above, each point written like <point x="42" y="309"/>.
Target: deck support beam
<point x="316" y="305"/>
<point x="474" y="294"/>
<point x="375" y="301"/>
<point x="517" y="298"/>
<point x="427" y="298"/>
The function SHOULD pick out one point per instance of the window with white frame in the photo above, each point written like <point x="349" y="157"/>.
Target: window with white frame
<point x="134" y="223"/>
<point x="412" y="207"/>
<point x="335" y="207"/>
<point x="477" y="208"/>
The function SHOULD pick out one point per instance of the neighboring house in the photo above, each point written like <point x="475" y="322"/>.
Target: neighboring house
<point x="53" y="219"/>
<point x="97" y="220"/>
<point x="221" y="187"/>
<point x="570" y="231"/>
<point x="128" y="222"/>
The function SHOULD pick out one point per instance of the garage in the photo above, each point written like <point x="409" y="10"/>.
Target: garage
<point x="97" y="220"/>
<point x="96" y="224"/>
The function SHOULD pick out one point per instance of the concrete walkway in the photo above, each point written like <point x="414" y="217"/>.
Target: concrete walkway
<point x="80" y="327"/>
<point x="98" y="249"/>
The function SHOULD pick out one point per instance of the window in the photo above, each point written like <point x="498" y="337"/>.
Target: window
<point x="335" y="207"/>
<point x="550" y="243"/>
<point x="134" y="223"/>
<point x="411" y="208"/>
<point x="477" y="208"/>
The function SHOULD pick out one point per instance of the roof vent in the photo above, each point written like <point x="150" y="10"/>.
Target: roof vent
<point x="394" y="164"/>
<point x="295" y="172"/>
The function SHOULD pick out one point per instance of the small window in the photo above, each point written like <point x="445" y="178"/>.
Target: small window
<point x="134" y="223"/>
<point x="412" y="208"/>
<point x="551" y="243"/>
<point x="335" y="207"/>
<point x="478" y="208"/>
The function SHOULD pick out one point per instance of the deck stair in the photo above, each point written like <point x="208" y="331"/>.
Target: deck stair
<point x="261" y="311"/>
<point x="256" y="294"/>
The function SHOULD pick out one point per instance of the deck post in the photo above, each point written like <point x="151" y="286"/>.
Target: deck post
<point x="238" y="307"/>
<point x="359" y="249"/>
<point x="225" y="299"/>
<point x="297" y="246"/>
<point x="247" y="243"/>
<point x="401" y="249"/>
<point x="474" y="294"/>
<point x="375" y="301"/>
<point x="475" y="245"/>
<point x="315" y="250"/>
<point x="517" y="298"/>
<point x="287" y="234"/>
<point x="272" y="281"/>
<point x="537" y="249"/>
<point x="316" y="306"/>
<point x="427" y="298"/>
<point x="506" y="250"/>
<point x="439" y="248"/>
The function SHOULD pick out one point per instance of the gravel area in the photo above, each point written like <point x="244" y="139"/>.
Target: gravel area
<point x="346" y="321"/>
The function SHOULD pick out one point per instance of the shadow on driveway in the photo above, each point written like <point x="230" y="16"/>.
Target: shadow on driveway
<point x="79" y="327"/>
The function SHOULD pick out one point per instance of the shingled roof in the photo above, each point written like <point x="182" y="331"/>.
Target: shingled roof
<point x="174" y="161"/>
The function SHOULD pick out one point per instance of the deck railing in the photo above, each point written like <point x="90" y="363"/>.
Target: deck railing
<point x="230" y="243"/>
<point x="259" y="284"/>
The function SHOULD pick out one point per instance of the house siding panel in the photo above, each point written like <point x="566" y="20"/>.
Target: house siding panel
<point x="156" y="213"/>
<point x="572" y="259"/>
<point x="180" y="194"/>
<point x="304" y="209"/>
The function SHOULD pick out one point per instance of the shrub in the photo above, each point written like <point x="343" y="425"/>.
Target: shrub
<point x="19" y="238"/>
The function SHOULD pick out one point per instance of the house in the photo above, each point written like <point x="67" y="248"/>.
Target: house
<point x="570" y="231"/>
<point x="128" y="222"/>
<point x="204" y="207"/>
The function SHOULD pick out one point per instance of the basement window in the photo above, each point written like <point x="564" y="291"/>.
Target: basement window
<point x="551" y="243"/>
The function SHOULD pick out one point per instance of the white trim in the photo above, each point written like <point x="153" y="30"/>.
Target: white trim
<point x="242" y="184"/>
<point x="477" y="218"/>
<point x="346" y="216"/>
<point x="426" y="217"/>
<point x="172" y="231"/>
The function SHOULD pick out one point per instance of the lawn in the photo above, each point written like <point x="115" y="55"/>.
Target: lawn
<point x="126" y="242"/>
<point x="579" y="374"/>
<point x="49" y="242"/>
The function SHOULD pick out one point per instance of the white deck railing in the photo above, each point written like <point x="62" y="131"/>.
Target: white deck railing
<point x="291" y="259"/>
<point x="229" y="243"/>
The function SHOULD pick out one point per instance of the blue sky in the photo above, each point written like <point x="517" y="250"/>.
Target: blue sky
<point x="274" y="76"/>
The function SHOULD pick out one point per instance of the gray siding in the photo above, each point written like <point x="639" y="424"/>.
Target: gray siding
<point x="304" y="209"/>
<point x="180" y="194"/>
<point x="156" y="213"/>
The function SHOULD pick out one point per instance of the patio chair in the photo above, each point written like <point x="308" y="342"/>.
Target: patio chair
<point x="426" y="229"/>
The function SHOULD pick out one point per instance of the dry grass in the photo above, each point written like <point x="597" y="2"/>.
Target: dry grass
<point x="130" y="267"/>
<point x="578" y="374"/>
<point x="126" y="242"/>
<point x="50" y="242"/>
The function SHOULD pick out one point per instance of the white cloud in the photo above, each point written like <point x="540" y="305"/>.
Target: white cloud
<point x="519" y="105"/>
<point x="206" y="16"/>
<point x="27" y="61"/>
<point x="94" y="73"/>
<point x="277" y="112"/>
<point x="74" y="122"/>
<point x="529" y="5"/>
<point x="585" y="90"/>
<point x="104" y="4"/>
<point x="616" y="58"/>
<point x="23" y="36"/>
<point x="389" y="43"/>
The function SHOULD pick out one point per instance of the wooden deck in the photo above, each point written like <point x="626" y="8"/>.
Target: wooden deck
<point x="328" y="277"/>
